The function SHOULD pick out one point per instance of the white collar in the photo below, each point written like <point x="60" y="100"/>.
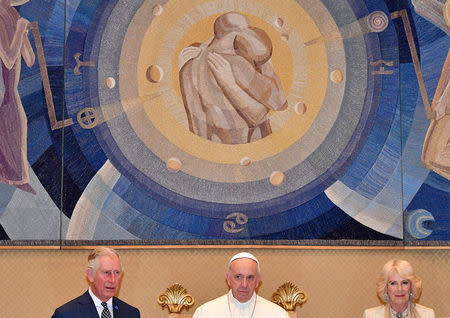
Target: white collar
<point x="97" y="301"/>
<point x="236" y="303"/>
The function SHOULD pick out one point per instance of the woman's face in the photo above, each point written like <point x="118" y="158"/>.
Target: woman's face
<point x="398" y="289"/>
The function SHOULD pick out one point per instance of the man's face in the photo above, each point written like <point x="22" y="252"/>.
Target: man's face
<point x="243" y="278"/>
<point x="105" y="281"/>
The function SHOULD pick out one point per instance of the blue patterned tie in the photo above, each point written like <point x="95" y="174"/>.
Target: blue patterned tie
<point x="105" y="312"/>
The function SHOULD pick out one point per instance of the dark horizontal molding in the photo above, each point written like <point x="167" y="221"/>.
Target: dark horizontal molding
<point x="269" y="244"/>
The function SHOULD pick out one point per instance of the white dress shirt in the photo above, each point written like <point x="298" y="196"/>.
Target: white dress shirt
<point x="98" y="304"/>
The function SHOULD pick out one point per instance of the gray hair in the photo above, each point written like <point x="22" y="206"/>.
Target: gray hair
<point x="101" y="251"/>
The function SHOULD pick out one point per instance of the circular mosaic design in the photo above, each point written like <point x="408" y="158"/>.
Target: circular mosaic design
<point x="141" y="126"/>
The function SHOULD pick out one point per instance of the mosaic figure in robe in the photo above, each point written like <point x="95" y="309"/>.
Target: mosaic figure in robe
<point x="14" y="45"/>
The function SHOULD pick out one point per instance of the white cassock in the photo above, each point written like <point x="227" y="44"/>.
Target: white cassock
<point x="227" y="306"/>
<point x="378" y="312"/>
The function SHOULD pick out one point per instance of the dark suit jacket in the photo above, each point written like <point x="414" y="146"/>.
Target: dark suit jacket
<point x="84" y="307"/>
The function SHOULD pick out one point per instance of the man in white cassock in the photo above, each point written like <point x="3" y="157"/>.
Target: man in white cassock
<point x="243" y="276"/>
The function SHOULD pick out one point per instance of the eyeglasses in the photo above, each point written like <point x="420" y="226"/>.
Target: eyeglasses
<point x="111" y="273"/>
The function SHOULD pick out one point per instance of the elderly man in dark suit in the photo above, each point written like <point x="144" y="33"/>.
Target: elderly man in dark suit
<point x="104" y="272"/>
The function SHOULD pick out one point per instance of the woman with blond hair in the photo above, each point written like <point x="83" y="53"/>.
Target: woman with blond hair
<point x="399" y="289"/>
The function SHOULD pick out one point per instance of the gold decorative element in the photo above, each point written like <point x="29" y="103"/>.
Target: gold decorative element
<point x="279" y="22"/>
<point x="175" y="298"/>
<point x="154" y="73"/>
<point x="415" y="58"/>
<point x="54" y="123"/>
<point x="174" y="164"/>
<point x="446" y="12"/>
<point x="277" y="178"/>
<point x="336" y="76"/>
<point x="88" y="118"/>
<point x="382" y="70"/>
<point x="300" y="108"/>
<point x="245" y="161"/>
<point x="234" y="219"/>
<point x="80" y="63"/>
<point x="110" y="82"/>
<point x="289" y="296"/>
<point x="157" y="10"/>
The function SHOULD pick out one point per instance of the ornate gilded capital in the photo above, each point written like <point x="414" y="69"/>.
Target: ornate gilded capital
<point x="289" y="296"/>
<point x="175" y="298"/>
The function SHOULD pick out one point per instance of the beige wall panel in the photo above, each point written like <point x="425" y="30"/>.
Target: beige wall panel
<point x="338" y="282"/>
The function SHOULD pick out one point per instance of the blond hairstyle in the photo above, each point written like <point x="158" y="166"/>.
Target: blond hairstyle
<point x="96" y="253"/>
<point x="404" y="269"/>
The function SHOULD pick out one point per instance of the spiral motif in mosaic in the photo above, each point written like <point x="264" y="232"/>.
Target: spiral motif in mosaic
<point x="378" y="21"/>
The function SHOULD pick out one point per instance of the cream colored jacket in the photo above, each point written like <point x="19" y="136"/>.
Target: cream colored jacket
<point x="378" y="312"/>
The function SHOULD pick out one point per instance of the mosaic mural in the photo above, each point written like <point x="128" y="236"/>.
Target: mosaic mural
<point x="223" y="121"/>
